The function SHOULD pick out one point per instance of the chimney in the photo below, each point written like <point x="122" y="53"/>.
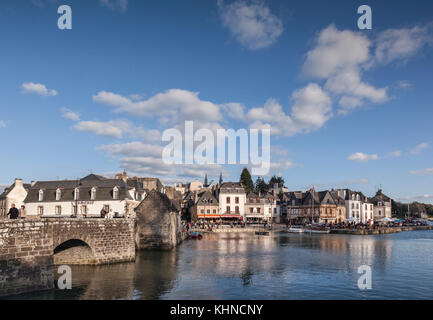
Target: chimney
<point x="18" y="182"/>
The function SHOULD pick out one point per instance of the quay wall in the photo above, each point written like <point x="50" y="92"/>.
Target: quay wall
<point x="380" y="231"/>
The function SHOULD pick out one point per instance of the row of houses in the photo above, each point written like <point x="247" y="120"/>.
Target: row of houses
<point x="213" y="202"/>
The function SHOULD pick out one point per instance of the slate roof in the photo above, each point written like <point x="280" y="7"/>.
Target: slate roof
<point x="207" y="198"/>
<point x="104" y="189"/>
<point x="232" y="187"/>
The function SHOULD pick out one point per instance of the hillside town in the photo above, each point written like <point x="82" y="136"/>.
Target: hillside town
<point x="211" y="202"/>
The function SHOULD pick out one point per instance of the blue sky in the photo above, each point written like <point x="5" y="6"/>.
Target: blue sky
<point x="346" y="108"/>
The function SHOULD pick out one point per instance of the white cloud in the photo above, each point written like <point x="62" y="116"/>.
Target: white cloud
<point x="69" y="114"/>
<point x="363" y="157"/>
<point x="133" y="149"/>
<point x="2" y="124"/>
<point x="111" y="129"/>
<point x="404" y="84"/>
<point x="425" y="172"/>
<point x="251" y="23"/>
<point x="420" y="148"/>
<point x="339" y="58"/>
<point x="310" y="111"/>
<point x="401" y="44"/>
<point x="39" y="88"/>
<point x="336" y="51"/>
<point x="394" y="154"/>
<point x="122" y="5"/>
<point x="170" y="107"/>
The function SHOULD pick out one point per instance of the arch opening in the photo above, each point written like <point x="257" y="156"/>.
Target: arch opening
<point x="73" y="252"/>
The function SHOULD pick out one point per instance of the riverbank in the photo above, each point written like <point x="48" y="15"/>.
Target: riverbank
<point x="282" y="228"/>
<point x="380" y="231"/>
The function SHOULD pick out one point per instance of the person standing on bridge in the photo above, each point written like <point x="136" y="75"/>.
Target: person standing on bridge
<point x="13" y="212"/>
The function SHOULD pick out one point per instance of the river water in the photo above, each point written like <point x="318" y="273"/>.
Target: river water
<point x="279" y="266"/>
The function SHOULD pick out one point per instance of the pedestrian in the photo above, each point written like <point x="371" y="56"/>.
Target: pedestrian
<point x="23" y="212"/>
<point x="13" y="212"/>
<point x="103" y="213"/>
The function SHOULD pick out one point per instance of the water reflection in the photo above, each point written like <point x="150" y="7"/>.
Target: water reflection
<point x="280" y="266"/>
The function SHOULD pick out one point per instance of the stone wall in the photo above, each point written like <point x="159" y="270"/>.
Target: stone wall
<point x="27" y="248"/>
<point x="26" y="257"/>
<point x="158" y="223"/>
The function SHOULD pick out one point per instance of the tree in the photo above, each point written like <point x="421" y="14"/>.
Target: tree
<point x="261" y="185"/>
<point x="277" y="180"/>
<point x="246" y="180"/>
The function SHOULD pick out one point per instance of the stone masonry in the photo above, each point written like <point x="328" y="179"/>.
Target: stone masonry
<point x="158" y="223"/>
<point x="27" y="248"/>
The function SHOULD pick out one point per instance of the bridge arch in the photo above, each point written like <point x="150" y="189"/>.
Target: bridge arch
<point x="74" y="252"/>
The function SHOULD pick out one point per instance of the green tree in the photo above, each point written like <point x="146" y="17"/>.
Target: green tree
<point x="277" y="180"/>
<point x="261" y="185"/>
<point x="246" y="180"/>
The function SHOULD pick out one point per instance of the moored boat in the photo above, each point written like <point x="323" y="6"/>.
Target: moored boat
<point x="262" y="233"/>
<point x="195" y="235"/>
<point x="295" y="230"/>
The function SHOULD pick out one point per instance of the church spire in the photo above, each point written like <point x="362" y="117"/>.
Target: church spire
<point x="221" y="178"/>
<point x="205" y="180"/>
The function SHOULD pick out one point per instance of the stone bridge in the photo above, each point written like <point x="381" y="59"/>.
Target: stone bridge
<point x="30" y="249"/>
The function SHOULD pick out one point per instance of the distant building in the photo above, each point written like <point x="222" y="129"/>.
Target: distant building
<point x="260" y="208"/>
<point x="14" y="194"/>
<point x="195" y="186"/>
<point x="312" y="206"/>
<point x="359" y="208"/>
<point x="382" y="205"/>
<point x="232" y="198"/>
<point x="207" y="206"/>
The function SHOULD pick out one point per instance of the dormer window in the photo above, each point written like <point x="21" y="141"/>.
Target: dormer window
<point x="41" y="195"/>
<point x="115" y="193"/>
<point x="58" y="194"/>
<point x="76" y="194"/>
<point x="93" y="193"/>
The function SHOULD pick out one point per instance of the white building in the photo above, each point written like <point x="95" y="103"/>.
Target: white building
<point x="84" y="197"/>
<point x="14" y="194"/>
<point x="358" y="207"/>
<point x="232" y="198"/>
<point x="260" y="208"/>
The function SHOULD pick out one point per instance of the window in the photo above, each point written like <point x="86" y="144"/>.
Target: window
<point x="214" y="211"/>
<point x="74" y="210"/>
<point x="258" y="210"/>
<point x="353" y="206"/>
<point x="107" y="208"/>
<point x="237" y="200"/>
<point x="202" y="211"/>
<point x="270" y="210"/>
<point x="293" y="203"/>
<point x="251" y="210"/>
<point x="115" y="193"/>
<point x="208" y="211"/>
<point x="228" y="209"/>
<point x="40" y="210"/>
<point x="58" y="210"/>
<point x="41" y="195"/>
<point x="76" y="194"/>
<point x="237" y="210"/>
<point x="228" y="200"/>
<point x="84" y="210"/>
<point x="58" y="194"/>
<point x="93" y="194"/>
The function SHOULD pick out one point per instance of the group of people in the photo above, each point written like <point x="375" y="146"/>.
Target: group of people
<point x="15" y="213"/>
